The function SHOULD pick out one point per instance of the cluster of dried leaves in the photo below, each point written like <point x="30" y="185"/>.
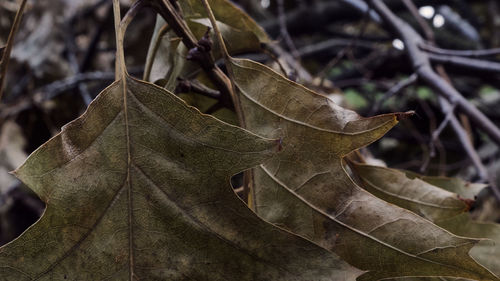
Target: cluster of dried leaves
<point x="138" y="187"/>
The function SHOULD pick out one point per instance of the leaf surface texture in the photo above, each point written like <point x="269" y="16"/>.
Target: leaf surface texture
<point x="138" y="188"/>
<point x="306" y="189"/>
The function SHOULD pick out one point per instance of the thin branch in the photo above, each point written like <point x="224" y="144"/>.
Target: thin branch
<point x="446" y="106"/>
<point x="448" y="110"/>
<point x="279" y="52"/>
<point x="225" y="54"/>
<point x="327" y="45"/>
<point x="276" y="60"/>
<point x="322" y="74"/>
<point x="55" y="88"/>
<point x="173" y="18"/>
<point x="401" y="85"/>
<point x="437" y="143"/>
<point x="185" y="86"/>
<point x="4" y="62"/>
<point x="429" y="34"/>
<point x="73" y="62"/>
<point x="284" y="30"/>
<point x="464" y="139"/>
<point x="470" y="63"/>
<point x="421" y="65"/>
<point x="247" y="175"/>
<point x="460" y="53"/>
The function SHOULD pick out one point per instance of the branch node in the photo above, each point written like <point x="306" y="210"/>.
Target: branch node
<point x="202" y="48"/>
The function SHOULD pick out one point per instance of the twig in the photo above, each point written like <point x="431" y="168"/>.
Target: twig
<point x="394" y="90"/>
<point x="247" y="175"/>
<point x="315" y="16"/>
<point x="92" y="47"/>
<point x="73" y="62"/>
<point x="4" y="62"/>
<point x="445" y="105"/>
<point x="470" y="63"/>
<point x="331" y="43"/>
<point x="358" y="82"/>
<point x="55" y="88"/>
<point x="460" y="53"/>
<point x="464" y="139"/>
<point x="278" y="51"/>
<point x="322" y="74"/>
<point x="437" y="143"/>
<point x="284" y="30"/>
<point x="275" y="59"/>
<point x="448" y="110"/>
<point x="172" y="16"/>
<point x="77" y="67"/>
<point x="460" y="25"/>
<point x="362" y="7"/>
<point x="422" y="67"/>
<point x="429" y="34"/>
<point x="463" y="135"/>
<point x="185" y="86"/>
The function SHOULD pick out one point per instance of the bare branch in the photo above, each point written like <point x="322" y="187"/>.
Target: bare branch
<point x="4" y="62"/>
<point x="401" y="85"/>
<point x="460" y="53"/>
<point x="470" y="63"/>
<point x="421" y="64"/>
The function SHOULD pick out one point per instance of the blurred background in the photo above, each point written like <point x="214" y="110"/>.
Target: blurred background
<point x="63" y="56"/>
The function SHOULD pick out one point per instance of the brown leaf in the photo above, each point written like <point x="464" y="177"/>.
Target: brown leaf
<point x="306" y="189"/>
<point x="138" y="188"/>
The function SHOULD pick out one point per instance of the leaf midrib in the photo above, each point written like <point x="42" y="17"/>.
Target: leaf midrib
<point x="126" y="185"/>
<point x="129" y="164"/>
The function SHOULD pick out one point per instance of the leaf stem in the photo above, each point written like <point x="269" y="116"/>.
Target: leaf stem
<point x="120" y="57"/>
<point x="174" y="19"/>
<point x="248" y="191"/>
<point x="4" y="62"/>
<point x="227" y="63"/>
<point x="217" y="32"/>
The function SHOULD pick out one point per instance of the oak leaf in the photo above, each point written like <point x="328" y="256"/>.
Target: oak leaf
<point x="138" y="188"/>
<point x="306" y="189"/>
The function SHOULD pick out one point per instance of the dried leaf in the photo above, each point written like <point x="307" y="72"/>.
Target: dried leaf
<point x="227" y="13"/>
<point x="465" y="189"/>
<point x="413" y="194"/>
<point x="138" y="188"/>
<point x="306" y="189"/>
<point x="406" y="190"/>
<point x="487" y="252"/>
